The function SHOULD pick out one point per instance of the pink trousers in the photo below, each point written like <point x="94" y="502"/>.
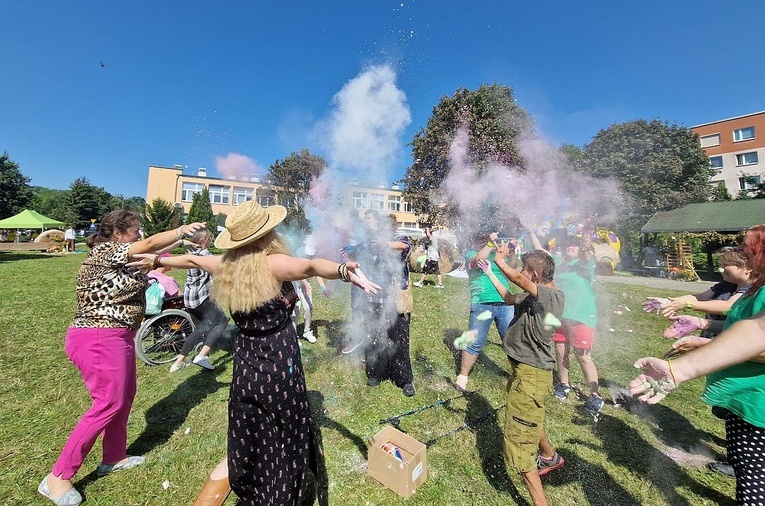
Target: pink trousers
<point x="106" y="360"/>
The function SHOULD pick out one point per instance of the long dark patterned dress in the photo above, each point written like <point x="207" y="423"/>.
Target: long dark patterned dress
<point x="271" y="437"/>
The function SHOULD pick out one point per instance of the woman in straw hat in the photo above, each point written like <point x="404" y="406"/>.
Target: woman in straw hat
<point x="271" y="438"/>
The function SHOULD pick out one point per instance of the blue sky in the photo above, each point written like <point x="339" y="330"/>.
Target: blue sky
<point x="191" y="82"/>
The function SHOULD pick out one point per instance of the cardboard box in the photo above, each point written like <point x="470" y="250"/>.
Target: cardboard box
<point x="405" y="477"/>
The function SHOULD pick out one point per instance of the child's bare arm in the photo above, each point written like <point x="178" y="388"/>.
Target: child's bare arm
<point x="485" y="266"/>
<point x="512" y="274"/>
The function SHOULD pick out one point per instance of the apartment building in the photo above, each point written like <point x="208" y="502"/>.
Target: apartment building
<point x="178" y="188"/>
<point x="735" y="147"/>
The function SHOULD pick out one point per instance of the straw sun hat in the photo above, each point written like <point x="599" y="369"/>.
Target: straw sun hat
<point x="249" y="222"/>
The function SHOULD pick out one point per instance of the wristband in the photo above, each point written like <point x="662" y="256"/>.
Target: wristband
<point x="688" y="305"/>
<point x="671" y="372"/>
<point x="179" y="233"/>
<point x="155" y="262"/>
<point x="490" y="245"/>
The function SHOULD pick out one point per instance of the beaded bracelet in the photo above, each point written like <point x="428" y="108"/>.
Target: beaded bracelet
<point x="155" y="262"/>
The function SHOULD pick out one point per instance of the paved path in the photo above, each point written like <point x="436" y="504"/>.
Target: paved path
<point x="669" y="284"/>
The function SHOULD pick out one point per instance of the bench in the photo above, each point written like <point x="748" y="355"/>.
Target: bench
<point x="27" y="246"/>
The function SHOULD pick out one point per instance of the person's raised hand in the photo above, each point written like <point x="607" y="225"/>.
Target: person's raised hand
<point x="501" y="253"/>
<point x="484" y="266"/>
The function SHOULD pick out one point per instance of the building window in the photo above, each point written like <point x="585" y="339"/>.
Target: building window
<point x="359" y="200"/>
<point x="716" y="162"/>
<point x="410" y="224"/>
<point x="377" y="201"/>
<point x="219" y="194"/>
<point x="710" y="140"/>
<point x="743" y="134"/>
<point x="748" y="182"/>
<point x="394" y="203"/>
<point x="407" y="207"/>
<point x="189" y="189"/>
<point x="265" y="197"/>
<point x="747" y="158"/>
<point x="242" y="194"/>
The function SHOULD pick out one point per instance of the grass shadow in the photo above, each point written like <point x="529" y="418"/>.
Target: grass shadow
<point x="333" y="331"/>
<point x="596" y="484"/>
<point x="624" y="447"/>
<point x="10" y="256"/>
<point x="670" y="427"/>
<point x="168" y="414"/>
<point x="484" y="420"/>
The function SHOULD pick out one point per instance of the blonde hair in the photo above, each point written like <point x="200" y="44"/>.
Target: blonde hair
<point x="243" y="282"/>
<point x="201" y="236"/>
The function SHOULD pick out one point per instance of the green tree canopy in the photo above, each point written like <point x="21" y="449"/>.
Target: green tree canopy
<point x="135" y="204"/>
<point x="159" y="216"/>
<point x="660" y="166"/>
<point x="87" y="202"/>
<point x="291" y="178"/>
<point x="53" y="203"/>
<point x="494" y="122"/>
<point x="15" y="193"/>
<point x="201" y="211"/>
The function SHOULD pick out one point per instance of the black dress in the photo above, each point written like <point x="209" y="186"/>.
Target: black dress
<point x="271" y="437"/>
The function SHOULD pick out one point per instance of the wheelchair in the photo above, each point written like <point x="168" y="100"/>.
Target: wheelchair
<point x="160" y="338"/>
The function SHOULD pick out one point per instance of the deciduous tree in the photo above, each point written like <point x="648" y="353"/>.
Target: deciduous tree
<point x="291" y="178"/>
<point x="661" y="166"/>
<point x="494" y="122"/>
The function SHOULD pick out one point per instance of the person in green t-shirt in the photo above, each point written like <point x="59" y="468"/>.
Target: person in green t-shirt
<point x="485" y="301"/>
<point x="574" y="274"/>
<point x="737" y="392"/>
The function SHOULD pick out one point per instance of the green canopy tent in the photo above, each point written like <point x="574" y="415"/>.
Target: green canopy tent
<point x="29" y="219"/>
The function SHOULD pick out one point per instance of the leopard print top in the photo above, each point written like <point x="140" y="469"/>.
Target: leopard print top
<point x="108" y="294"/>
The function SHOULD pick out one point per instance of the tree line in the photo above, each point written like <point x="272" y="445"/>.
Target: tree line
<point x="659" y="165"/>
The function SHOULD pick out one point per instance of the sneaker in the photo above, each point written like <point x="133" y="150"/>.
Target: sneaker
<point x="408" y="389"/>
<point x="722" y="467"/>
<point x="308" y="336"/>
<point x="177" y="367"/>
<point x="372" y="381"/>
<point x="594" y="403"/>
<point x="203" y="362"/>
<point x="561" y="390"/>
<point x="104" y="469"/>
<point x="417" y="284"/>
<point x="351" y="347"/>
<point x="71" y="498"/>
<point x="439" y="286"/>
<point x="545" y="465"/>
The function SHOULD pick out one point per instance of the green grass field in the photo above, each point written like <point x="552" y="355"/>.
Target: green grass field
<point x="633" y="455"/>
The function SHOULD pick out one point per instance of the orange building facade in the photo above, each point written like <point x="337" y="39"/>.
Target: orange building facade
<point x="178" y="188"/>
<point x="735" y="147"/>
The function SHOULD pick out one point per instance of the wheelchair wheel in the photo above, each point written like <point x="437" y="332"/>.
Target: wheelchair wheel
<point x="160" y="338"/>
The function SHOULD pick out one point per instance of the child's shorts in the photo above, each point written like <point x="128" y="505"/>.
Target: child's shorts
<point x="431" y="267"/>
<point x="527" y="390"/>
<point x="579" y="335"/>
